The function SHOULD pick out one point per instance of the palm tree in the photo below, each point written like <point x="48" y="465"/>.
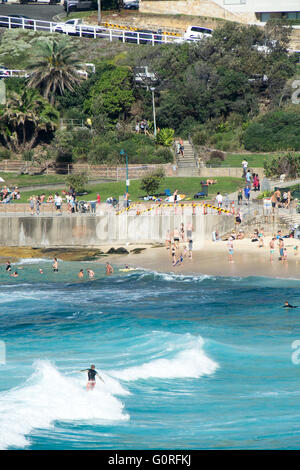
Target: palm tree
<point x="56" y="68"/>
<point x="24" y="117"/>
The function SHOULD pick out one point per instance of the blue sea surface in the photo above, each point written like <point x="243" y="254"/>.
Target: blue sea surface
<point x="188" y="362"/>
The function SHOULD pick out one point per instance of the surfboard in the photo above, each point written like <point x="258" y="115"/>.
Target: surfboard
<point x="127" y="269"/>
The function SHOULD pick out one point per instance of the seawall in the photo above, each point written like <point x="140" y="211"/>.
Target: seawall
<point x="108" y="229"/>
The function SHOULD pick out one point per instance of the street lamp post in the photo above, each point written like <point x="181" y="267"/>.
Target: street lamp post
<point x="99" y="12"/>
<point x="122" y="153"/>
<point x="154" y="114"/>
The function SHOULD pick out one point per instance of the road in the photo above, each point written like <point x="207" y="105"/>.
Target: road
<point x="40" y="11"/>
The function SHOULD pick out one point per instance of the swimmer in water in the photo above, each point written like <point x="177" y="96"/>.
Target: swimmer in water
<point x="8" y="266"/>
<point x="92" y="373"/>
<point x="55" y="265"/>
<point x="109" y="268"/>
<point x="91" y="273"/>
<point x="80" y="274"/>
<point x="15" y="274"/>
<point x="287" y="305"/>
<point x="41" y="271"/>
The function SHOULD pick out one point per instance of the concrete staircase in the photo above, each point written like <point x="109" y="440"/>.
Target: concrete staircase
<point x="188" y="158"/>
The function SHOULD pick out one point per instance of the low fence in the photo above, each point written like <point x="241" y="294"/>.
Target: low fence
<point x="93" y="171"/>
<point x="88" y="31"/>
<point x="235" y="172"/>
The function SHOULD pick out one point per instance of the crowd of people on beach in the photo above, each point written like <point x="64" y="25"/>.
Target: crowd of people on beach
<point x="258" y="236"/>
<point x="180" y="243"/>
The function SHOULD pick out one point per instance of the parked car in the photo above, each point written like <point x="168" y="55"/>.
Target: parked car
<point x="79" y="5"/>
<point x="75" y="26"/>
<point x="134" y="5"/>
<point x="143" y="36"/>
<point x="16" y="21"/>
<point x="197" y="32"/>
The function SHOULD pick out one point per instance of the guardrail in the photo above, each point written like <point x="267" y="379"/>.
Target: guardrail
<point x="13" y="73"/>
<point x="89" y="31"/>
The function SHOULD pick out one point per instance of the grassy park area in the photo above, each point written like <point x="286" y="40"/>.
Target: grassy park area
<point x="255" y="160"/>
<point x="187" y="186"/>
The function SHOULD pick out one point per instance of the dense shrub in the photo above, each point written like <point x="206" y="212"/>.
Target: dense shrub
<point x="288" y="164"/>
<point x="278" y="130"/>
<point x="151" y="182"/>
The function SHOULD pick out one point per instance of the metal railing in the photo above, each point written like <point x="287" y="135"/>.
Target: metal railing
<point x="13" y="73"/>
<point x="83" y="30"/>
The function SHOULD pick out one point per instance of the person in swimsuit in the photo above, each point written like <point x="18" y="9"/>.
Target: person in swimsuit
<point x="281" y="248"/>
<point x="176" y="237"/>
<point x="55" y="265"/>
<point x="80" y="274"/>
<point x="230" y="250"/>
<point x="8" y="266"/>
<point x="91" y="273"/>
<point x="15" y="274"/>
<point x="182" y="231"/>
<point x="168" y="240"/>
<point x="109" y="268"/>
<point x="272" y="249"/>
<point x="261" y="238"/>
<point x="92" y="373"/>
<point x="189" y="231"/>
<point x="173" y="254"/>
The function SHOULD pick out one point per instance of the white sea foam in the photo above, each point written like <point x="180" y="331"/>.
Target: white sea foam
<point x="33" y="261"/>
<point x="169" y="277"/>
<point x="191" y="362"/>
<point x="49" y="396"/>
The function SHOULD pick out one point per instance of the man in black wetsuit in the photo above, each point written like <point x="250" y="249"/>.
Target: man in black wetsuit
<point x="287" y="305"/>
<point x="92" y="373"/>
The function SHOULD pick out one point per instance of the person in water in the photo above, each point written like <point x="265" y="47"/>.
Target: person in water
<point x="8" y="266"/>
<point x="287" y="305"/>
<point x="80" y="274"/>
<point x="91" y="273"/>
<point x="109" y="268"/>
<point x="55" y="265"/>
<point x="15" y="274"/>
<point x="92" y="373"/>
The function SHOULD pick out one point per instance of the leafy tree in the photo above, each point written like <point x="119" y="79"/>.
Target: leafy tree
<point x="277" y="130"/>
<point x="78" y="181"/>
<point x="25" y="119"/>
<point x="288" y="164"/>
<point x="114" y="90"/>
<point x="151" y="182"/>
<point x="55" y="69"/>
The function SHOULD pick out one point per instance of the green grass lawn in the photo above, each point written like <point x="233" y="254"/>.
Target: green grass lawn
<point x="235" y="160"/>
<point x="14" y="179"/>
<point x="188" y="186"/>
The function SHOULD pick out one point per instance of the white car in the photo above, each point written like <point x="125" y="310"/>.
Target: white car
<point x="197" y="32"/>
<point x="69" y="27"/>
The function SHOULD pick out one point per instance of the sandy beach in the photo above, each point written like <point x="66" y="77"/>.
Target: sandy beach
<point x="212" y="259"/>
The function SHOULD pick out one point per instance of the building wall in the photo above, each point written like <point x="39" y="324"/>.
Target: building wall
<point x="48" y="232"/>
<point x="234" y="10"/>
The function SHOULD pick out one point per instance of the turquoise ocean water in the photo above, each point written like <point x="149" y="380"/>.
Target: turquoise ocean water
<point x="189" y="362"/>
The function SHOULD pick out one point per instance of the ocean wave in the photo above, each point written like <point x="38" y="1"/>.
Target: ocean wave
<point x="169" y="277"/>
<point x="50" y="396"/>
<point x="33" y="261"/>
<point x="190" y="362"/>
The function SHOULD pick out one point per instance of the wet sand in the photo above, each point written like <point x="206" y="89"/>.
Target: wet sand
<point x="212" y="259"/>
